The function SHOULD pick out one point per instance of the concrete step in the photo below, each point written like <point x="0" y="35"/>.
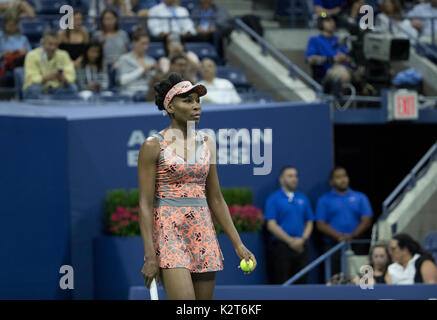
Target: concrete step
<point x="263" y="14"/>
<point x="234" y="4"/>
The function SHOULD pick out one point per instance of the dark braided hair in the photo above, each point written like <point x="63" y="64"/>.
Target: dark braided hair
<point x="406" y="241"/>
<point x="161" y="88"/>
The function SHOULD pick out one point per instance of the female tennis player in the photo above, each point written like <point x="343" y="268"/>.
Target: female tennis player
<point x="179" y="190"/>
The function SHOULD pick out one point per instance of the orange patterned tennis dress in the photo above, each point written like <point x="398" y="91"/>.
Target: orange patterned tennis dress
<point x="183" y="231"/>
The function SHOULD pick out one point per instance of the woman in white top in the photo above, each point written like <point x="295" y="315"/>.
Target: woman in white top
<point x="392" y="9"/>
<point x="411" y="264"/>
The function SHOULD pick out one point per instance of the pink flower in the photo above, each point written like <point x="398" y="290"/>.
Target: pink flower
<point x="115" y="217"/>
<point x="134" y="218"/>
<point x="124" y="223"/>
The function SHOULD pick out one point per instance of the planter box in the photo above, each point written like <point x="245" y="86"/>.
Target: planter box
<point x="118" y="262"/>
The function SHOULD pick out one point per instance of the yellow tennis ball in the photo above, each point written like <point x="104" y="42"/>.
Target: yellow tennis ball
<point x="244" y="266"/>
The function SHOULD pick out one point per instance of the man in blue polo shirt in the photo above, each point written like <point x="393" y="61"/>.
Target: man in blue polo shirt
<point x="342" y="214"/>
<point x="290" y="221"/>
<point x="325" y="51"/>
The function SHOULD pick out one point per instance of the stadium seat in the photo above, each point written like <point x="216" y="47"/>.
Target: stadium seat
<point x="203" y="50"/>
<point x="430" y="244"/>
<point x="115" y="98"/>
<point x="49" y="6"/>
<point x="128" y="25"/>
<point x="156" y="50"/>
<point x="33" y="29"/>
<point x="233" y="74"/>
<point x="260" y="97"/>
<point x="112" y="76"/>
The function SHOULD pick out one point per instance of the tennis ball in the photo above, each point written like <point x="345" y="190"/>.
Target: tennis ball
<point x="244" y="266"/>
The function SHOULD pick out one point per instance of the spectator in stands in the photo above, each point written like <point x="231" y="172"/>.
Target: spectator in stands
<point x="13" y="48"/>
<point x="177" y="20"/>
<point x="411" y="264"/>
<point x="91" y="75"/>
<point x="74" y="40"/>
<point x="392" y="10"/>
<point x="210" y="19"/>
<point x="379" y="260"/>
<point x="18" y="7"/>
<point x="48" y="69"/>
<point x="324" y="52"/>
<point x="135" y="68"/>
<point x="219" y="90"/>
<point x="289" y="219"/>
<point x="178" y="64"/>
<point x="114" y="40"/>
<point x="424" y="26"/>
<point x="342" y="214"/>
<point x="173" y="46"/>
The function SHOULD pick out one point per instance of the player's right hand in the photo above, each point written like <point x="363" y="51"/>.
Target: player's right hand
<point x="149" y="271"/>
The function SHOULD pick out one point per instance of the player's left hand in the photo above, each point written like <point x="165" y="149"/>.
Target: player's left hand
<point x="244" y="253"/>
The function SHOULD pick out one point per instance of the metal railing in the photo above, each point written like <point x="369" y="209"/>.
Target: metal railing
<point x="293" y="69"/>
<point x="326" y="259"/>
<point x="408" y="182"/>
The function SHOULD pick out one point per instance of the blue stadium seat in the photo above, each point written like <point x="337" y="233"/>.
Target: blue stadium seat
<point x="430" y="244"/>
<point x="260" y="97"/>
<point x="49" y="6"/>
<point x="33" y="29"/>
<point x="156" y="50"/>
<point x="115" y="98"/>
<point x="203" y="50"/>
<point x="128" y="25"/>
<point x="112" y="76"/>
<point x="233" y="74"/>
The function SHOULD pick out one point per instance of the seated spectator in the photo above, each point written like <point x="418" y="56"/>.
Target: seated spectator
<point x="91" y="74"/>
<point x="210" y="19"/>
<point x="115" y="41"/>
<point x="424" y="26"/>
<point x="379" y="260"/>
<point x="74" y="40"/>
<point x="177" y="20"/>
<point x="13" y="48"/>
<point x="173" y="47"/>
<point x="219" y="90"/>
<point x="331" y="7"/>
<point x="411" y="264"/>
<point x="17" y="7"/>
<point x="135" y="69"/>
<point x="178" y="64"/>
<point x="48" y="70"/>
<point x="392" y="10"/>
<point x="324" y="51"/>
